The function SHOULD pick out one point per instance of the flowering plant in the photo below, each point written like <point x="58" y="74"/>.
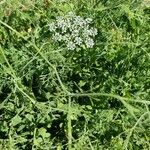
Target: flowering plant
<point x="73" y="31"/>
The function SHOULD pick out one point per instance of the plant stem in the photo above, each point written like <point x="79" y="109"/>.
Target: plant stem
<point x="69" y="125"/>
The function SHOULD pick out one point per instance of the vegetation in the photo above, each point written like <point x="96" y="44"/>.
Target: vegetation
<point x="95" y="96"/>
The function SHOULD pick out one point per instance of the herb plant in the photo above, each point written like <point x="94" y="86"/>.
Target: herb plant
<point x="74" y="74"/>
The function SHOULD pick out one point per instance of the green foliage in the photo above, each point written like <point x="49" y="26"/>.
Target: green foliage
<point x="84" y="99"/>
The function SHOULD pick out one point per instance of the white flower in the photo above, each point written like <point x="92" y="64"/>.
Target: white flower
<point x="71" y="45"/>
<point x="94" y="31"/>
<point x="73" y="31"/>
<point x="66" y="38"/>
<point x="64" y="29"/>
<point x="60" y="22"/>
<point x="78" y="40"/>
<point x="57" y="37"/>
<point x="88" y="20"/>
<point x="79" y="21"/>
<point x="89" y="43"/>
<point x="52" y="27"/>
<point x="87" y="32"/>
<point x="68" y="23"/>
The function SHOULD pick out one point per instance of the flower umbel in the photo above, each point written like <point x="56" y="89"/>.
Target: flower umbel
<point x="73" y="31"/>
<point x="89" y="42"/>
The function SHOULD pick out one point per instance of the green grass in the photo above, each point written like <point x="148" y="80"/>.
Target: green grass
<point x="86" y="99"/>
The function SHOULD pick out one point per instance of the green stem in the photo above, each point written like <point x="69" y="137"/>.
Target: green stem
<point x="69" y="125"/>
<point x="38" y="50"/>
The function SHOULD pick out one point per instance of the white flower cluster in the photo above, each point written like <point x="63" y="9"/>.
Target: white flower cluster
<point x="74" y="31"/>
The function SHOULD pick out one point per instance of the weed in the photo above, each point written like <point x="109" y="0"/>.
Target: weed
<point x="76" y="81"/>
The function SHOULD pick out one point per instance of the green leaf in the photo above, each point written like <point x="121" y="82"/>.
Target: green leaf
<point x="42" y="132"/>
<point x="66" y="7"/>
<point x="29" y="117"/>
<point x="2" y="60"/>
<point x="16" y="120"/>
<point x="82" y="83"/>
